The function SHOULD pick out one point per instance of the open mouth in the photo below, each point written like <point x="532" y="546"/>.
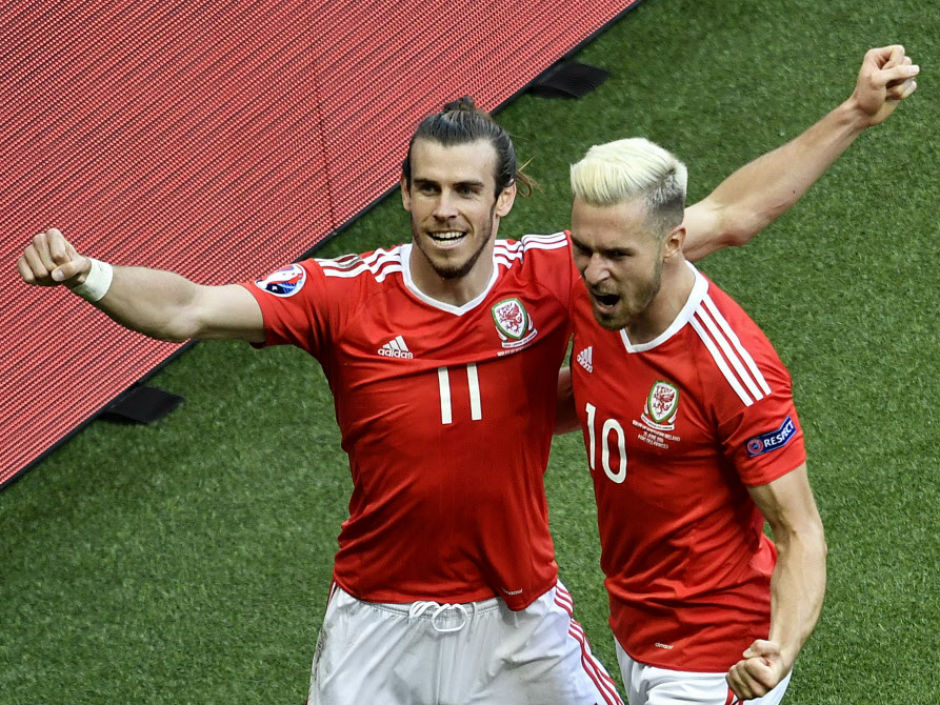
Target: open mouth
<point x="448" y="236"/>
<point x="605" y="300"/>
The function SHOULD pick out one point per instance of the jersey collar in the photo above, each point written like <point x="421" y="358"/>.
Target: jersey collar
<point x="699" y="289"/>
<point x="405" y="254"/>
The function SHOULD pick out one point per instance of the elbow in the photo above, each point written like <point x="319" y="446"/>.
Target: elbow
<point x="808" y="539"/>
<point x="739" y="223"/>
<point x="823" y="547"/>
<point x="174" y="330"/>
<point x="168" y="335"/>
<point x="819" y="549"/>
<point x="741" y="230"/>
<point x="177" y="338"/>
<point x="566" y="418"/>
<point x="816" y="536"/>
<point x="166" y="330"/>
<point x="736" y="238"/>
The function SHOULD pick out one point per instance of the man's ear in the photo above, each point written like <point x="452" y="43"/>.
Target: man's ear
<point x="405" y="194"/>
<point x="505" y="200"/>
<point x="672" y="244"/>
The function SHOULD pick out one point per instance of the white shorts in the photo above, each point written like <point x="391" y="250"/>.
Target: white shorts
<point x="650" y="685"/>
<point x="477" y="652"/>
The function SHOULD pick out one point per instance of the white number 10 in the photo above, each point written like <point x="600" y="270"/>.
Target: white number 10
<point x="473" y="382"/>
<point x="609" y="425"/>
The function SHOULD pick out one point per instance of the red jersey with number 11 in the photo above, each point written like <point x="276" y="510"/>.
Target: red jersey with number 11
<point x="676" y="429"/>
<point x="446" y="414"/>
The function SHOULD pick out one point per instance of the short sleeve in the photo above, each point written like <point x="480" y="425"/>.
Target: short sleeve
<point x="297" y="306"/>
<point x="764" y="439"/>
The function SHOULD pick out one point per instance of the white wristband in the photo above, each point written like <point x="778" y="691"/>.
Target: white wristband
<point x="97" y="282"/>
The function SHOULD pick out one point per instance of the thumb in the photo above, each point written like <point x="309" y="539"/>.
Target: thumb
<point x="762" y="648"/>
<point x="74" y="270"/>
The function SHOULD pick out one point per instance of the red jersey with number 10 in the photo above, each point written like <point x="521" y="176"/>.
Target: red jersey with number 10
<point x="676" y="429"/>
<point x="446" y="414"/>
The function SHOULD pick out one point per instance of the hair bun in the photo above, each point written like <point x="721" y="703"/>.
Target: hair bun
<point x="464" y="103"/>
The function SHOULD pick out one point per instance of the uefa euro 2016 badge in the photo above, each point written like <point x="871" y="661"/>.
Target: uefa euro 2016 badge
<point x="659" y="415"/>
<point x="286" y="281"/>
<point x="513" y="324"/>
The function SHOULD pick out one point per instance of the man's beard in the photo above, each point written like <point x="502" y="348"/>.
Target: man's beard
<point x="636" y="306"/>
<point x="457" y="270"/>
<point x="650" y="288"/>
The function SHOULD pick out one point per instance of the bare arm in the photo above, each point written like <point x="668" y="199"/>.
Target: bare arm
<point x="566" y="416"/>
<point x="157" y="303"/>
<point x="757" y="193"/>
<point x="797" y="586"/>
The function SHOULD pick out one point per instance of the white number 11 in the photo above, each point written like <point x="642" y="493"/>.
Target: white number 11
<point x="473" y="382"/>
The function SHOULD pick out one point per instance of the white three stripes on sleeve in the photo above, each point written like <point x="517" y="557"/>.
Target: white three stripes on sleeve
<point x="380" y="264"/>
<point x="734" y="361"/>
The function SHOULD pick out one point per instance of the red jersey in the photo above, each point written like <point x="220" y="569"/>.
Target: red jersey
<point x="446" y="413"/>
<point x="676" y="429"/>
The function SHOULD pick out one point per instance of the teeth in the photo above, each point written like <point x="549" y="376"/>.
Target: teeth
<point x="449" y="235"/>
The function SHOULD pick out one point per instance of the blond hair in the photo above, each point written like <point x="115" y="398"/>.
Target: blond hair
<point x="631" y="168"/>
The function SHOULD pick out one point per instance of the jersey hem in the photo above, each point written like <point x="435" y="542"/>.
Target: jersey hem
<point x="486" y="593"/>
<point x="685" y="666"/>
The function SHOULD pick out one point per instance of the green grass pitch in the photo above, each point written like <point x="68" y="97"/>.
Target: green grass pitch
<point x="189" y="561"/>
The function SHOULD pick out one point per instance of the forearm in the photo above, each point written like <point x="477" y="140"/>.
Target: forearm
<point x="753" y="196"/>
<point x="566" y="416"/>
<point x="798" y="586"/>
<point x="756" y="194"/>
<point x="154" y="302"/>
<point x="157" y="303"/>
<point x="762" y="190"/>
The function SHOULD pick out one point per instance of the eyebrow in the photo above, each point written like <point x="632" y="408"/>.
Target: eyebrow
<point x="605" y="251"/>
<point x="418" y="181"/>
<point x="577" y="243"/>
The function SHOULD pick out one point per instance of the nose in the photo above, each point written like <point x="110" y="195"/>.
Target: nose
<point x="445" y="208"/>
<point x="594" y="270"/>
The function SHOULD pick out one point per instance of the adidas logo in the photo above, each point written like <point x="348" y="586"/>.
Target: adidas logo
<point x="586" y="358"/>
<point x="396" y="348"/>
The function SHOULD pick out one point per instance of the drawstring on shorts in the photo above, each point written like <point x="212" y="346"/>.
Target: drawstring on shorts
<point x="418" y="609"/>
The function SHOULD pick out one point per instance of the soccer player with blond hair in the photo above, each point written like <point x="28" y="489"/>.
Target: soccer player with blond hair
<point x="693" y="441"/>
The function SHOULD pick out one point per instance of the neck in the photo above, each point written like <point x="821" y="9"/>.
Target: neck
<point x="674" y="290"/>
<point x="455" y="291"/>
